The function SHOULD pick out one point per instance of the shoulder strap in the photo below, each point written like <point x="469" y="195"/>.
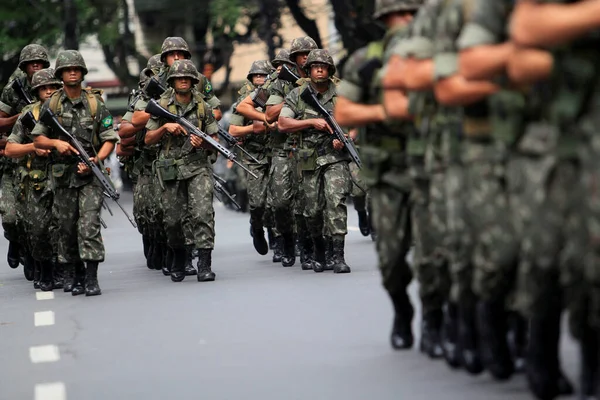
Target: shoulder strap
<point x="375" y="50"/>
<point x="36" y="111"/>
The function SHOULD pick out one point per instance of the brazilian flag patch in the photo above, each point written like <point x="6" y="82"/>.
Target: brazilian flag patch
<point x="207" y="87"/>
<point x="107" y="122"/>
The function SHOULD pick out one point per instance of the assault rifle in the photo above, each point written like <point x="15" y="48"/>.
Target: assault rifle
<point x="232" y="142"/>
<point x="28" y="121"/>
<point x="17" y="86"/>
<point x="260" y="97"/>
<point x="155" y="109"/>
<point x="219" y="182"/>
<point x="152" y="90"/>
<point x="288" y="75"/>
<point x="310" y="98"/>
<point x="49" y="119"/>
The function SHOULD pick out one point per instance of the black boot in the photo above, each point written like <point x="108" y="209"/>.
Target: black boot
<point x="319" y="244"/>
<point x="288" y="258"/>
<point x="146" y="245"/>
<point x="517" y="339"/>
<point x="307" y="255"/>
<point x="59" y="276"/>
<point x="329" y="256"/>
<point x="431" y="326"/>
<point x="28" y="267"/>
<point x="46" y="277"/>
<point x="37" y="275"/>
<point x="259" y="241"/>
<point x="450" y="335"/>
<point x="467" y="337"/>
<point x="277" y="246"/>
<point x="363" y="223"/>
<point x="68" y="276"/>
<point x="589" y="362"/>
<point x="492" y="329"/>
<point x="14" y="254"/>
<point x="168" y="260"/>
<point x="178" y="266"/>
<point x="157" y="256"/>
<point x="150" y="255"/>
<point x="205" y="273"/>
<point x="401" y="337"/>
<point x="91" y="279"/>
<point x="79" y="279"/>
<point x="339" y="266"/>
<point x="189" y="266"/>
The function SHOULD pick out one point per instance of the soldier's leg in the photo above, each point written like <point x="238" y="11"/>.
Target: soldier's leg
<point x="202" y="221"/>
<point x="305" y="241"/>
<point x="174" y="202"/>
<point x="312" y="188"/>
<point x="359" y="198"/>
<point x="89" y="233"/>
<point x="39" y="209"/>
<point x="337" y="185"/>
<point x="257" y="188"/>
<point x="280" y="197"/>
<point x="8" y="212"/>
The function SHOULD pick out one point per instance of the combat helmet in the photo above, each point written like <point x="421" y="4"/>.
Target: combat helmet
<point x="260" y="67"/>
<point x="69" y="59"/>
<point x="320" y="56"/>
<point x="144" y="78"/>
<point x="33" y="52"/>
<point x="154" y="64"/>
<point x="44" y="77"/>
<point x="174" y="44"/>
<point x="282" y="57"/>
<point x="302" y="45"/>
<point x="183" y="69"/>
<point x="383" y="7"/>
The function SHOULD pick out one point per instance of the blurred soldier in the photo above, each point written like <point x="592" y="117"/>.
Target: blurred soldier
<point x="326" y="177"/>
<point x="77" y="196"/>
<point x="184" y="168"/>
<point x="33" y="58"/>
<point x="35" y="192"/>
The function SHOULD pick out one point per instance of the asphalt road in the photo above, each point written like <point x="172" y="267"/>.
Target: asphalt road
<point x="260" y="331"/>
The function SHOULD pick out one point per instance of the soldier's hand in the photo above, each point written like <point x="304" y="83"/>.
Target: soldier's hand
<point x="65" y="148"/>
<point x="42" y="152"/>
<point x="258" y="127"/>
<point x="196" y="141"/>
<point x="175" y="129"/>
<point x="321" y="125"/>
<point x="337" y="144"/>
<point x="353" y="134"/>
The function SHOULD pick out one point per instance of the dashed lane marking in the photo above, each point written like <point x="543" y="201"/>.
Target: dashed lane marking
<point x="50" y="391"/>
<point x="44" y="295"/>
<point x="44" y="354"/>
<point x="43" y="318"/>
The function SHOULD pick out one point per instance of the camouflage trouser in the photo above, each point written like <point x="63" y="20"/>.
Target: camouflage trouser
<point x="189" y="216"/>
<point x="8" y="207"/>
<point x="281" y="191"/>
<point x="77" y="215"/>
<point x="359" y="189"/>
<point x="41" y="227"/>
<point x="144" y="203"/>
<point x="326" y="190"/>
<point x="257" y="194"/>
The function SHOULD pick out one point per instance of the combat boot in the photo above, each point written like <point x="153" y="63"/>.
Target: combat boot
<point x="329" y="256"/>
<point x="68" y="277"/>
<point x="91" y="279"/>
<point x="157" y="256"/>
<point x="431" y="326"/>
<point x="150" y="255"/>
<point x="37" y="274"/>
<point x="319" y="244"/>
<point x="189" y="266"/>
<point x="492" y="329"/>
<point x="46" y="277"/>
<point x="339" y="262"/>
<point x="178" y="267"/>
<point x="58" y="281"/>
<point x="146" y="244"/>
<point x="517" y="339"/>
<point x="289" y="252"/>
<point x="28" y="267"/>
<point x="450" y="335"/>
<point x="168" y="260"/>
<point x="401" y="337"/>
<point x="307" y="253"/>
<point x="467" y="337"/>
<point x="363" y="223"/>
<point x="78" y="279"/>
<point x="205" y="273"/>
<point x="258" y="239"/>
<point x="277" y="246"/>
<point x="13" y="256"/>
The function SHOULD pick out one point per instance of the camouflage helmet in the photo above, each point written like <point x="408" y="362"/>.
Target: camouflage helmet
<point x="144" y="78"/>
<point x="44" y="77"/>
<point x="282" y="57"/>
<point x="154" y="63"/>
<point x="384" y="7"/>
<point x="302" y="45"/>
<point x="183" y="69"/>
<point x="33" y="52"/>
<point x="69" y="59"/>
<point x="260" y="67"/>
<point x="320" y="56"/>
<point x="174" y="44"/>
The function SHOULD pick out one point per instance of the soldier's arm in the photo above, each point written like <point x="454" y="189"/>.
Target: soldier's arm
<point x="486" y="61"/>
<point x="14" y="146"/>
<point x="154" y="131"/>
<point x="395" y="103"/>
<point x="528" y="66"/>
<point x="545" y="25"/>
<point x="108" y="136"/>
<point x="127" y="129"/>
<point x="247" y="109"/>
<point x="238" y="127"/>
<point x="349" y="113"/>
<point x="7" y="122"/>
<point x="273" y="112"/>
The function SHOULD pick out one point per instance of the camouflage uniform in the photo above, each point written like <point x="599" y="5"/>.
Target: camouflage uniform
<point x="186" y="176"/>
<point x="326" y="177"/>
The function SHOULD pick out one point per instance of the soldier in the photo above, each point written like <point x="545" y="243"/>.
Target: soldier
<point x="185" y="172"/>
<point x="77" y="196"/>
<point x="35" y="207"/>
<point x="33" y="58"/>
<point x="326" y="177"/>
<point x="256" y="143"/>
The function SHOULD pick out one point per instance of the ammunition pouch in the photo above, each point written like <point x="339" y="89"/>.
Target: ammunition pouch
<point x="38" y="179"/>
<point x="307" y="159"/>
<point x="166" y="169"/>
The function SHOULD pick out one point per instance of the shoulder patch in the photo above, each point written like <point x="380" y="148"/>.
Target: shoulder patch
<point x="107" y="122"/>
<point x="207" y="87"/>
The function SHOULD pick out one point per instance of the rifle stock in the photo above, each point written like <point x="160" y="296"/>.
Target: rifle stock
<point x="260" y="97"/>
<point x="288" y="75"/>
<point x="28" y="121"/>
<point x="21" y="92"/>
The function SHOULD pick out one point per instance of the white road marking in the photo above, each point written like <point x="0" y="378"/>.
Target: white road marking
<point x="44" y="318"/>
<point x="44" y="295"/>
<point x="50" y="391"/>
<point x="43" y="354"/>
<point x="353" y="229"/>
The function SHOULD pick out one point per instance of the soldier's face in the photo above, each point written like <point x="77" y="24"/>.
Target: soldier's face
<point x="279" y="68"/>
<point x="72" y="76"/>
<point x="32" y="67"/>
<point x="182" y="85"/>
<point x="319" y="71"/>
<point x="173" y="56"/>
<point x="301" y="58"/>
<point x="44" y="92"/>
<point x="258" y="80"/>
